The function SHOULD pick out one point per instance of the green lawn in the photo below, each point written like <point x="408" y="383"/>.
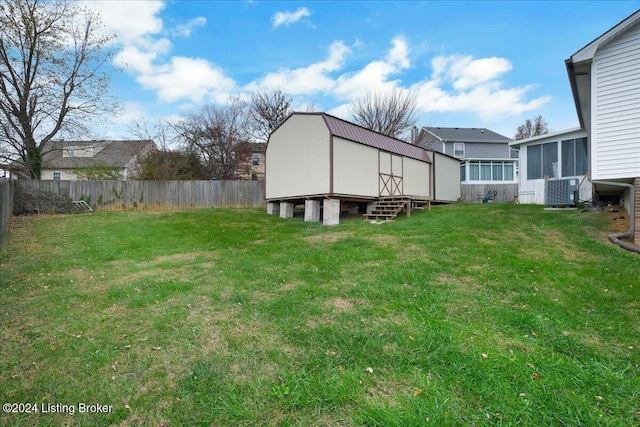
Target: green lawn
<point x="476" y="314"/>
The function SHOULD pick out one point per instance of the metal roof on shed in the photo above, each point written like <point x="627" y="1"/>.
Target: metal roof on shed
<point x="356" y="133"/>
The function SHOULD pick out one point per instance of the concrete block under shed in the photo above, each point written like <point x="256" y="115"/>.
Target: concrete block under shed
<point x="331" y="212"/>
<point x="312" y="210"/>
<point x="273" y="208"/>
<point x="286" y="210"/>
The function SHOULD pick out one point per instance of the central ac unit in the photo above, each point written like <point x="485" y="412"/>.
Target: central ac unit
<point x="561" y="192"/>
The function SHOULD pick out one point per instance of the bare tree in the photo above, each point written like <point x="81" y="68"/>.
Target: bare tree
<point x="268" y="110"/>
<point x="219" y="135"/>
<point x="389" y="112"/>
<point x="160" y="132"/>
<point x="52" y="75"/>
<point x="528" y="129"/>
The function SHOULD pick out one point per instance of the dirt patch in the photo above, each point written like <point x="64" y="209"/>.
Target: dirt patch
<point x="619" y="222"/>
<point x="328" y="237"/>
<point x="341" y="305"/>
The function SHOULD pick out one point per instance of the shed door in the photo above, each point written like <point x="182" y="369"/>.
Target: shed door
<point x="390" y="174"/>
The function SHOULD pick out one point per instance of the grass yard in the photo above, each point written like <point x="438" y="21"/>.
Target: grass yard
<point x="475" y="314"/>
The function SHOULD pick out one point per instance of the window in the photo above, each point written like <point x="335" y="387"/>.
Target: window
<point x="463" y="172"/>
<point x="458" y="149"/>
<point x="542" y="160"/>
<point x="574" y="157"/>
<point x="256" y="159"/>
<point x="56" y="176"/>
<point x="509" y="172"/>
<point x="491" y="171"/>
<point x="474" y="171"/>
<point x="485" y="172"/>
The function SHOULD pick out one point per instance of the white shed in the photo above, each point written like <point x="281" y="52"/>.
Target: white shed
<point x="314" y="157"/>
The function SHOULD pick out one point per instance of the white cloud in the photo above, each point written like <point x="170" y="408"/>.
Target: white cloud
<point x="129" y="20"/>
<point x="476" y="88"/>
<point x="147" y="55"/>
<point x="140" y="58"/>
<point x="375" y="74"/>
<point x="465" y="72"/>
<point x="287" y="18"/>
<point x="188" y="78"/>
<point x="399" y="53"/>
<point x="306" y="80"/>
<point x="185" y="30"/>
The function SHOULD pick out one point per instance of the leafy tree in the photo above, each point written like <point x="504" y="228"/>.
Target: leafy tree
<point x="219" y="135"/>
<point x="268" y="110"/>
<point x="530" y="128"/>
<point x="52" y="75"/>
<point x="389" y="112"/>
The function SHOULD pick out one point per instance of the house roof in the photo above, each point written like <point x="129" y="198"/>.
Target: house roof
<point x="113" y="153"/>
<point x="482" y="135"/>
<point x="352" y="132"/>
<point x="587" y="53"/>
<point x="548" y="136"/>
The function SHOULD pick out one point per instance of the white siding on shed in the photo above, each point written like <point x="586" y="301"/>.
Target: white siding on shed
<point x="415" y="178"/>
<point x="297" y="158"/>
<point x="615" y="130"/>
<point x="355" y="168"/>
<point x="447" y="178"/>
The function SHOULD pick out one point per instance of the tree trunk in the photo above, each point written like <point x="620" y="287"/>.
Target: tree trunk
<point x="34" y="160"/>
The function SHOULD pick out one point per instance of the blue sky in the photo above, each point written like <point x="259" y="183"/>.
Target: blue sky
<point x="473" y="64"/>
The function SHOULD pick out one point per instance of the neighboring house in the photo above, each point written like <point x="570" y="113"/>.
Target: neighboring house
<point x="604" y="79"/>
<point x="488" y="163"/>
<point x="254" y="167"/>
<point x="553" y="161"/>
<point x="73" y="160"/>
<point x="315" y="158"/>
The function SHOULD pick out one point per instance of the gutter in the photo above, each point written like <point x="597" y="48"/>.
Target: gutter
<point x="574" y="88"/>
<point x="616" y="238"/>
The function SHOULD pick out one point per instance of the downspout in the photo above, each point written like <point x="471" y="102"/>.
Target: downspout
<point x="616" y="237"/>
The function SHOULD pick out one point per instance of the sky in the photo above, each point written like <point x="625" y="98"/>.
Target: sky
<point x="472" y="63"/>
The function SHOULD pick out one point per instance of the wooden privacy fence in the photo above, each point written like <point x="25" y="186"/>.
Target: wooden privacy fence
<point x="507" y="192"/>
<point x="6" y="207"/>
<point x="154" y="195"/>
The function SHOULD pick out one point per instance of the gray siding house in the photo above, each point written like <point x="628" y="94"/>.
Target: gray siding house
<point x="489" y="164"/>
<point x="314" y="158"/>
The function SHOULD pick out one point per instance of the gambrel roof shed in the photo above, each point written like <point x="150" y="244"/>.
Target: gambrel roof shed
<point x="316" y="155"/>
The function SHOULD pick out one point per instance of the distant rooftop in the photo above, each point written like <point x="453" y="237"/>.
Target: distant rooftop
<point x="59" y="154"/>
<point x="467" y="135"/>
